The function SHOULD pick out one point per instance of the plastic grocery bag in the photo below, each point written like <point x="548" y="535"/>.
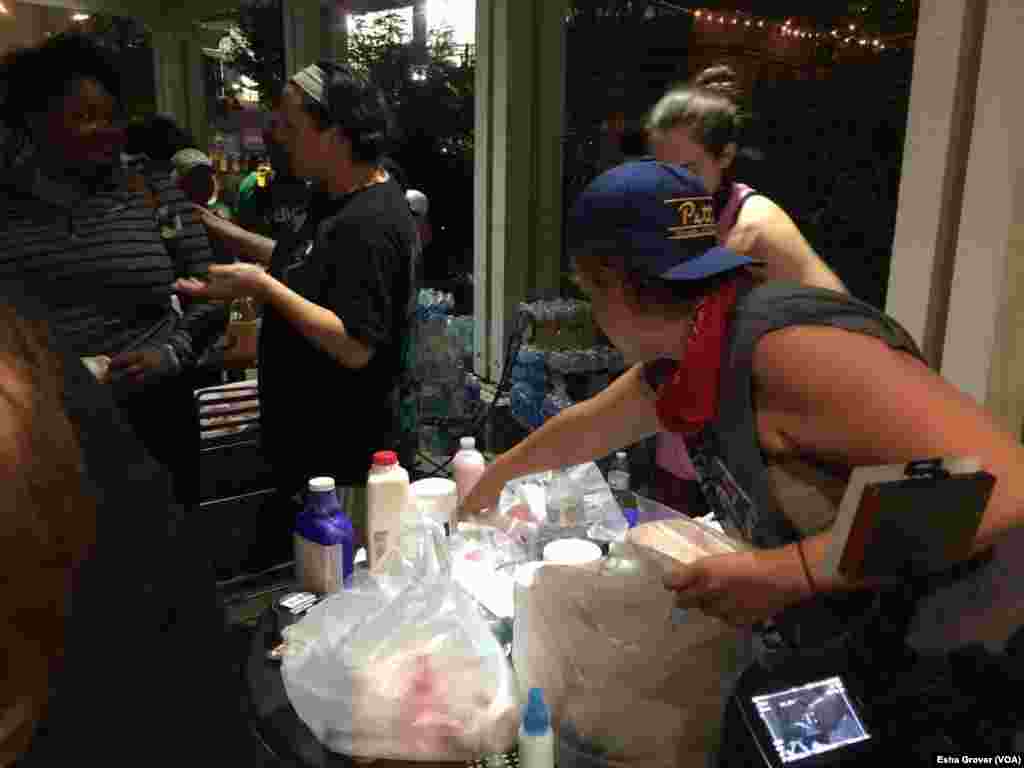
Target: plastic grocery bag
<point x="402" y="666"/>
<point x="635" y="686"/>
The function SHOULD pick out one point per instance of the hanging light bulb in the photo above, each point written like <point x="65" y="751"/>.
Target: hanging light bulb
<point x="721" y="19"/>
<point x="853" y="27"/>
<point x="760" y="24"/>
<point x="735" y="22"/>
<point x="748" y="22"/>
<point x="698" y="14"/>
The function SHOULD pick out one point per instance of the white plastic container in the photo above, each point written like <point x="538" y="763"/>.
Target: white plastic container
<point x="387" y="497"/>
<point x="468" y="464"/>
<point x="437" y="499"/>
<point x="571" y="552"/>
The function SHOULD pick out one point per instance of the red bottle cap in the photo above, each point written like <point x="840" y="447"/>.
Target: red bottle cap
<point x="385" y="458"/>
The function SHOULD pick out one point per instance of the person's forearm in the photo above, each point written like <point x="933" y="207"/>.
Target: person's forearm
<point x="318" y="324"/>
<point x="619" y="416"/>
<point x="255" y="247"/>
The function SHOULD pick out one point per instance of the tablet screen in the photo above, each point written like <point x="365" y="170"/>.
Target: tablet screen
<point x="810" y="719"/>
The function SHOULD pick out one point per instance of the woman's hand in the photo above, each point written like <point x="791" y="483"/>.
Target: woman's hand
<point x="740" y="588"/>
<point x="227" y="281"/>
<point x="141" y="366"/>
<point x="484" y="496"/>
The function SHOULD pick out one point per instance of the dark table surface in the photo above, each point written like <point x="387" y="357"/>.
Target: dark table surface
<point x="279" y="727"/>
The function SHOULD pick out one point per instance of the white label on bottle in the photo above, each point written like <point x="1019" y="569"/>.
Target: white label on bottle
<point x="318" y="568"/>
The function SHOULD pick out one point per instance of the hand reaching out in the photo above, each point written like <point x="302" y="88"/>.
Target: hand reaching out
<point x="227" y="281"/>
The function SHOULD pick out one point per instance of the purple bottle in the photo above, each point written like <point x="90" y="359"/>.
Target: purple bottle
<point x="323" y="541"/>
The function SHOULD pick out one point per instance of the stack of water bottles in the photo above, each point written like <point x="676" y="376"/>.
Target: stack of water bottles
<point x="431" y="303"/>
<point x="439" y="365"/>
<point x="557" y="400"/>
<point x="561" y="324"/>
<point x="449" y="395"/>
<point x="529" y="386"/>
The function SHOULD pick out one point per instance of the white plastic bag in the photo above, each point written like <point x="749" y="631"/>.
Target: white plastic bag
<point x="525" y="503"/>
<point x="645" y="690"/>
<point x="402" y="666"/>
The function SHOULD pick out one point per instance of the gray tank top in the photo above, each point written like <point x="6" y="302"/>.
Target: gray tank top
<point x="726" y="454"/>
<point x="728" y="458"/>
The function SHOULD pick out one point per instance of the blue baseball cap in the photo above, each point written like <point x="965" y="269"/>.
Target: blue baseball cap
<point x="657" y="216"/>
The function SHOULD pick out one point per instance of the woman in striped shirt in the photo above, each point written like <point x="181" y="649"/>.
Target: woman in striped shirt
<point x="98" y="251"/>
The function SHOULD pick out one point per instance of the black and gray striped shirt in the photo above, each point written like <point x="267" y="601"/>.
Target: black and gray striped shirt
<point x="104" y="263"/>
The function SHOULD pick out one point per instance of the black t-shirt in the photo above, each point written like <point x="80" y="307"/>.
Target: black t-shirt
<point x="354" y="256"/>
<point x="276" y="210"/>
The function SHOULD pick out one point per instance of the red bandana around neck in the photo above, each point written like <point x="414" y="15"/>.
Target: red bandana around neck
<point x="689" y="400"/>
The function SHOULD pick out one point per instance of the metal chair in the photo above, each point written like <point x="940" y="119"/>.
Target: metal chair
<point x="235" y="491"/>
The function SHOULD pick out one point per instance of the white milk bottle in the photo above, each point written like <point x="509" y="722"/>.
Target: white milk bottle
<point x="387" y="497"/>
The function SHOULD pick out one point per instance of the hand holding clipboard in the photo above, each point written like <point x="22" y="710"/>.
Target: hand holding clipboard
<point x="908" y="519"/>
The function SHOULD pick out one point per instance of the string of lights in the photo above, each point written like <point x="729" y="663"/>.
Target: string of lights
<point x="848" y="35"/>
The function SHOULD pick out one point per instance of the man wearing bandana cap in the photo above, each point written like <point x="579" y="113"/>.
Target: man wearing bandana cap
<point x="339" y="293"/>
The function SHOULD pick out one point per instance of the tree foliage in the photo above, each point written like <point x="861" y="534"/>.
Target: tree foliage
<point x="430" y="87"/>
<point x="255" y="48"/>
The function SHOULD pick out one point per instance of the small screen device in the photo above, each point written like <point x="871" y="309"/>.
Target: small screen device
<point x="809" y="725"/>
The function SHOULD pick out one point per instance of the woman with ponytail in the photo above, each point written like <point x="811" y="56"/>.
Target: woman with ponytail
<point x="699" y="127"/>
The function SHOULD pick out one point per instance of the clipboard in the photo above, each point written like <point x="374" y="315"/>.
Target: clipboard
<point x="908" y="520"/>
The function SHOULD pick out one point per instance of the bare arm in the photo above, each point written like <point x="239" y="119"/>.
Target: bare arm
<point x="236" y="241"/>
<point x="766" y="232"/>
<point x="879" y="406"/>
<point x="621" y="415"/>
<point x="319" y="324"/>
<point x="883" y="407"/>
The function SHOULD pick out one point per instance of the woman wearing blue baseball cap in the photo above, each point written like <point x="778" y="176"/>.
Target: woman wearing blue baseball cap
<point x="780" y="390"/>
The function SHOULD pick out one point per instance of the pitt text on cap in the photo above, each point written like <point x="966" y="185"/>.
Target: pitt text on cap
<point x="696" y="218"/>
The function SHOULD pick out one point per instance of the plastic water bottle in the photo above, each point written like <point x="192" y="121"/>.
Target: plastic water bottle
<point x="323" y="541"/>
<point x="468" y="464"/>
<point x="536" y="739"/>
<point x="618" y="481"/>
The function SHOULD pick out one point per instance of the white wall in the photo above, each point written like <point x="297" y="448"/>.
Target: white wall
<point x="946" y="60"/>
<point x="979" y="333"/>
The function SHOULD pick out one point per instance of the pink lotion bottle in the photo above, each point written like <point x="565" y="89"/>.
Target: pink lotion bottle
<point x="469" y="465"/>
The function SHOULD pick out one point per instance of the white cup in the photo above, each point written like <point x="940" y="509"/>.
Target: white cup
<point x="571" y="552"/>
<point x="437" y="499"/>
